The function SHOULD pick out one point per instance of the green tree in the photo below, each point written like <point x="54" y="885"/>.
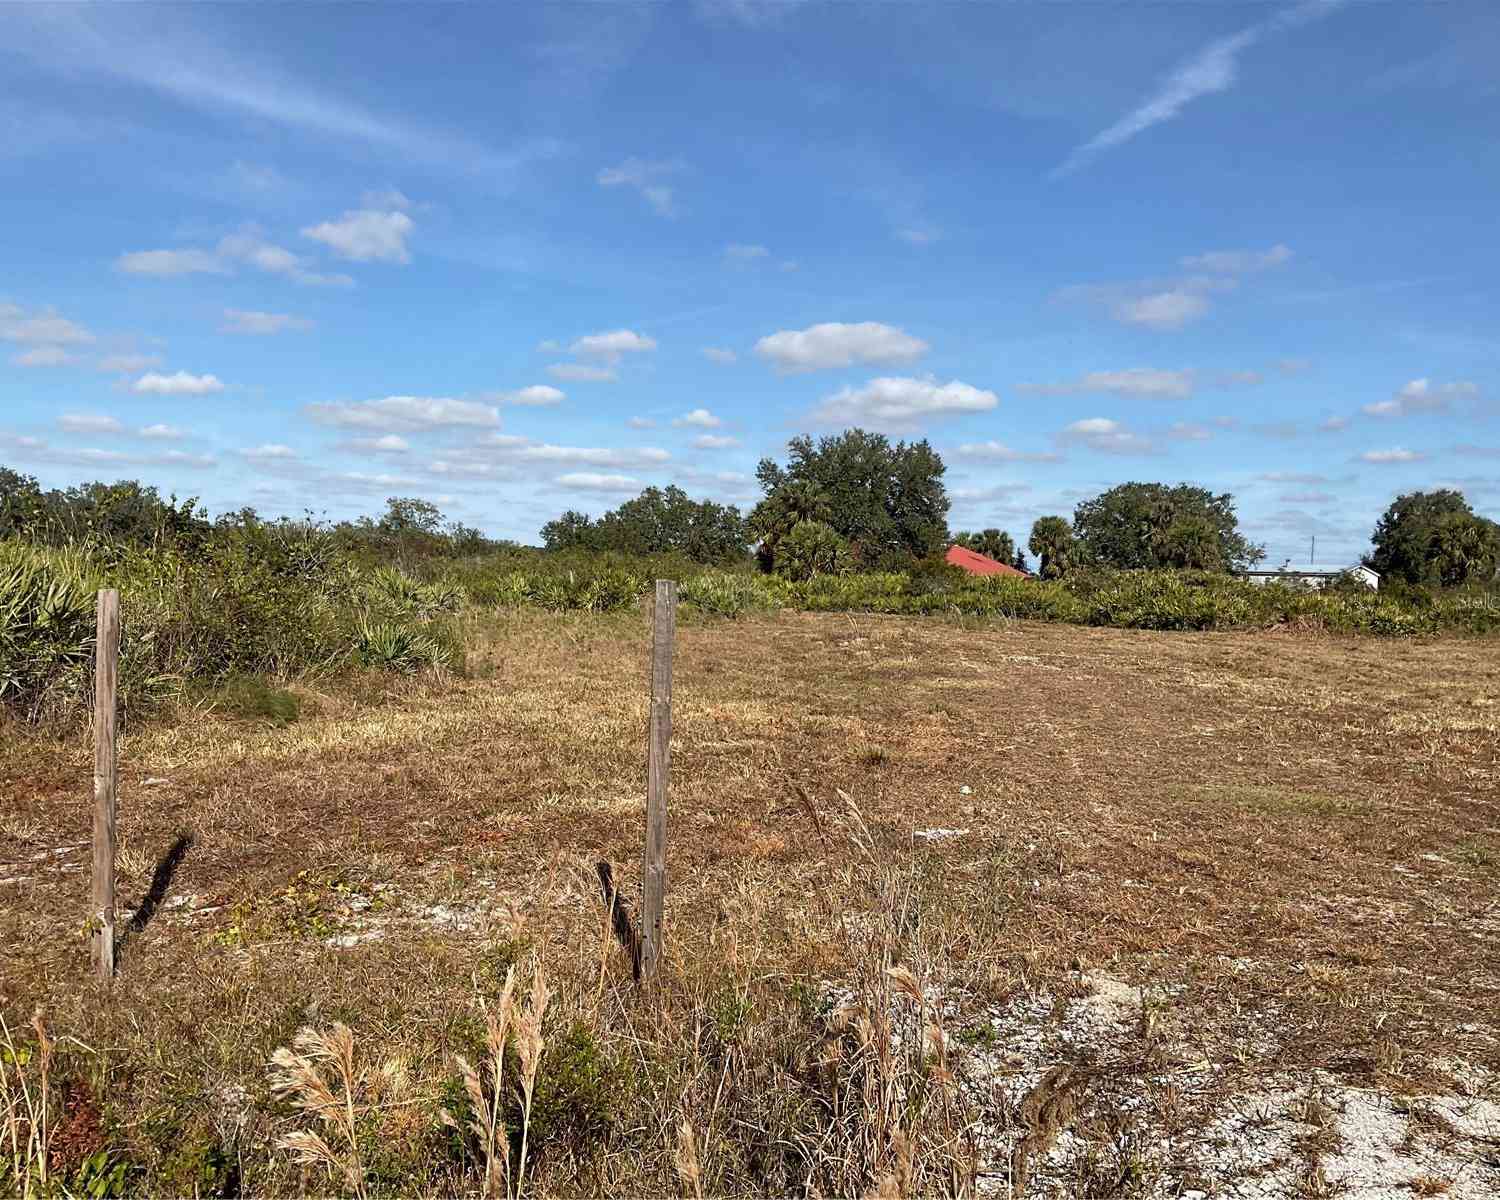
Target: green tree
<point x="658" y="521"/>
<point x="1424" y="536"/>
<point x="886" y="500"/>
<point x="1463" y="549"/>
<point x="790" y="503"/>
<point x="1191" y="543"/>
<point x="992" y="543"/>
<point x="1152" y="525"/>
<point x="1053" y="544"/>
<point x="21" y="505"/>
<point x="812" y="548"/>
<point x="407" y="516"/>
<point x="125" y="512"/>
<point x="573" y="530"/>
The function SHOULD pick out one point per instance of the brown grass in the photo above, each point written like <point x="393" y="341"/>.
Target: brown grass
<point x="1275" y="831"/>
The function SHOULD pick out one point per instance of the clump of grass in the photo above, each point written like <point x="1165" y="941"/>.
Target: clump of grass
<point x="25" y="1082"/>
<point x="299" y="1078"/>
<point x="255" y="699"/>
<point x="1295" y="801"/>
<point x="519" y="1027"/>
<point x="1479" y="853"/>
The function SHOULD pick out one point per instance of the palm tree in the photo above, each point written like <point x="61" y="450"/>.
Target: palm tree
<point x="1052" y="543"/>
<point x="788" y="506"/>
<point x="1461" y="548"/>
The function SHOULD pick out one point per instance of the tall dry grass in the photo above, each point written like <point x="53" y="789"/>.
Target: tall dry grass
<point x="25" y="1111"/>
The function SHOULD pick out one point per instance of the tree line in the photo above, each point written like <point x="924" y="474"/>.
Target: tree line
<point x="849" y="502"/>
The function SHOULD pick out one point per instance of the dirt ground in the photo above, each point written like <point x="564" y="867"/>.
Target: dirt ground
<point x="1245" y="888"/>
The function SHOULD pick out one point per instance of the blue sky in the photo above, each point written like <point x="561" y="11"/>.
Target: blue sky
<point x="521" y="258"/>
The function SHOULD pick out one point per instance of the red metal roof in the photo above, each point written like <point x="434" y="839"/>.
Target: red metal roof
<point x="979" y="564"/>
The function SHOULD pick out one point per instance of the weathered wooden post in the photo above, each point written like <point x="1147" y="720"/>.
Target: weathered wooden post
<point x="658" y="771"/>
<point x="106" y="675"/>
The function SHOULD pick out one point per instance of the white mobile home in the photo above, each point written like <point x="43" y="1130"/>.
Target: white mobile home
<point x="1315" y="577"/>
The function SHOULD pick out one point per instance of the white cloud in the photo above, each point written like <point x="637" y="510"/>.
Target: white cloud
<point x="994" y="451"/>
<point x="594" y="456"/>
<point x="588" y="481"/>
<point x="89" y="423"/>
<point x="641" y="423"/>
<point x="36" y="450"/>
<point x="389" y="443"/>
<point x="1215" y="68"/>
<point x="405" y="413"/>
<point x="1421" y="396"/>
<point x="1106" y="437"/>
<point x="129" y="364"/>
<point x="508" y="456"/>
<point x="700" y="417"/>
<point x="1148" y="383"/>
<point x="581" y="373"/>
<point x="1238" y="262"/>
<point x="739" y="252"/>
<point x="610" y="346"/>
<point x="1162" y="310"/>
<point x="834" y="344"/>
<point x="163" y="264"/>
<point x="549" y="346"/>
<point x="1333" y="425"/>
<point x="724" y="358"/>
<point x="45" y="327"/>
<point x="238" y="320"/>
<point x="993" y="491"/>
<point x="270" y="452"/>
<point x="162" y="432"/>
<point x="1397" y="454"/>
<point x="385" y="198"/>
<point x="645" y="177"/>
<point x="366" y="235"/>
<point x="248" y="246"/>
<point x="1292" y="477"/>
<point x="902" y="402"/>
<point x="42" y="356"/>
<point x="714" y="441"/>
<point x="179" y="383"/>
<point x="538" y="395"/>
<point x="1307" y="498"/>
<point x="1172" y="303"/>
<point x="1189" y="431"/>
<point x="185" y="64"/>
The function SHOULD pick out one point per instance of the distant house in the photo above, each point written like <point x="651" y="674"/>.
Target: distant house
<point x="1315" y="577"/>
<point x="979" y="564"/>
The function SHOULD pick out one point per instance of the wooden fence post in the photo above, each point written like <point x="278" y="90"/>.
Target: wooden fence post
<point x="658" y="771"/>
<point x="106" y="674"/>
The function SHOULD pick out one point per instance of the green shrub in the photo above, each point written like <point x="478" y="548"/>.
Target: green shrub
<point x="258" y="700"/>
<point x="241" y="604"/>
<point x="402" y="648"/>
<point x="47" y="620"/>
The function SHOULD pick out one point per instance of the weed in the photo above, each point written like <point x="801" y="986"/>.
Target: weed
<point x="1478" y="853"/>
<point x="255" y="699"/>
<point x="25" y="1081"/>
<point x="299" y="1078"/>
<point x="515" y="1026"/>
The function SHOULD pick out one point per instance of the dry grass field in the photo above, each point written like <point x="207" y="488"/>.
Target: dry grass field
<point x="953" y="907"/>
